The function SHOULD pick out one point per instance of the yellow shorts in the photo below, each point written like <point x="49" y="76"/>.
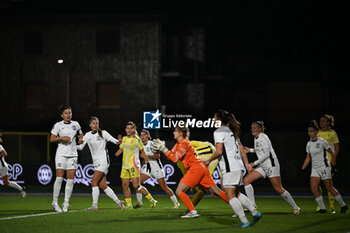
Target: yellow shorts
<point x="130" y="173"/>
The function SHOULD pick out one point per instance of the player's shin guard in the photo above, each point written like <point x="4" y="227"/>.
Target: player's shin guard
<point x="249" y="190"/>
<point x="244" y="200"/>
<point x="238" y="209"/>
<point x="15" y="186"/>
<point x="109" y="192"/>
<point x="320" y="202"/>
<point x="340" y="200"/>
<point x="187" y="201"/>
<point x="288" y="198"/>
<point x="331" y="200"/>
<point x="95" y="195"/>
<point x="197" y="197"/>
<point x="57" y="188"/>
<point x="68" y="190"/>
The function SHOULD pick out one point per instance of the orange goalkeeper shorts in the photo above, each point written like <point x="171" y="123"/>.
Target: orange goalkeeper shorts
<point x="198" y="173"/>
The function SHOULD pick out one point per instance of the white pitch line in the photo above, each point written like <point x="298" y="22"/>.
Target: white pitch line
<point x="34" y="215"/>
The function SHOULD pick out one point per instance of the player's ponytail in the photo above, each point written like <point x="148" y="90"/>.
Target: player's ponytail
<point x="313" y="124"/>
<point x="99" y="131"/>
<point x="230" y="121"/>
<point x="329" y="118"/>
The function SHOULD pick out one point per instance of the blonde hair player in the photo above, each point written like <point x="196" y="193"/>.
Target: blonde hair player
<point x="266" y="165"/>
<point x="64" y="133"/>
<point x="320" y="168"/>
<point x="326" y="132"/>
<point x="232" y="156"/>
<point x="157" y="171"/>
<point x="4" y="171"/>
<point x="131" y="147"/>
<point x="97" y="139"/>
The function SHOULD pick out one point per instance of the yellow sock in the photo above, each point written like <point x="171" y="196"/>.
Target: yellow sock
<point x="331" y="200"/>
<point x="128" y="201"/>
<point x="197" y="197"/>
<point x="149" y="197"/>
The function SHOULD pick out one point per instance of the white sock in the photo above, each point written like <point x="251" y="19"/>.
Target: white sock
<point x="174" y="199"/>
<point x="95" y="195"/>
<point x="238" y="209"/>
<point x="14" y="185"/>
<point x="286" y="196"/>
<point x="249" y="190"/>
<point x="57" y="188"/>
<point x="340" y="200"/>
<point x="139" y="197"/>
<point x="243" y="199"/>
<point x="320" y="202"/>
<point x="68" y="190"/>
<point x="109" y="192"/>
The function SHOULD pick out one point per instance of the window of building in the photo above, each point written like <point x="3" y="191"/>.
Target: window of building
<point x="107" y="41"/>
<point x="108" y="95"/>
<point x="33" y="42"/>
<point x="33" y="96"/>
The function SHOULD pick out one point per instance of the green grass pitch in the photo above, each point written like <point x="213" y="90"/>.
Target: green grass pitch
<point x="216" y="216"/>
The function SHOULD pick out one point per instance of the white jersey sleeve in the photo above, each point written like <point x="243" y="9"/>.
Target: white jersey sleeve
<point x="109" y="138"/>
<point x="219" y="137"/>
<point x="1" y="148"/>
<point x="55" y="129"/>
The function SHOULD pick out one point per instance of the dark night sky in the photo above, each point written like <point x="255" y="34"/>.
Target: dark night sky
<point x="275" y="40"/>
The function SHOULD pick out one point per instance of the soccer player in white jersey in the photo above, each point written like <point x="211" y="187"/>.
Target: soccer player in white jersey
<point x="231" y="151"/>
<point x="316" y="151"/>
<point x="266" y="165"/>
<point x="97" y="139"/>
<point x="4" y="172"/>
<point x="157" y="171"/>
<point x="64" y="133"/>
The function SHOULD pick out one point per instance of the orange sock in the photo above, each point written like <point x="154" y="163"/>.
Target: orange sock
<point x="187" y="201"/>
<point x="223" y="197"/>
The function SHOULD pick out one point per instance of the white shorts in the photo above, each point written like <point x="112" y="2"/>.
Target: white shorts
<point x="232" y="179"/>
<point x="323" y="173"/>
<point x="4" y="171"/>
<point x="155" y="173"/>
<point x="66" y="163"/>
<point x="269" y="172"/>
<point x="102" y="167"/>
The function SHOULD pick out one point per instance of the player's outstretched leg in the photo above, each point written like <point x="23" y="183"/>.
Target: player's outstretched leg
<point x="169" y="192"/>
<point x="337" y="197"/>
<point x="249" y="205"/>
<point x="277" y="185"/>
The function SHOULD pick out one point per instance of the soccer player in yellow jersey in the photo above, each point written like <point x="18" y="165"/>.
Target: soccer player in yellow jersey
<point x="326" y="132"/>
<point x="131" y="147"/>
<point x="204" y="150"/>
